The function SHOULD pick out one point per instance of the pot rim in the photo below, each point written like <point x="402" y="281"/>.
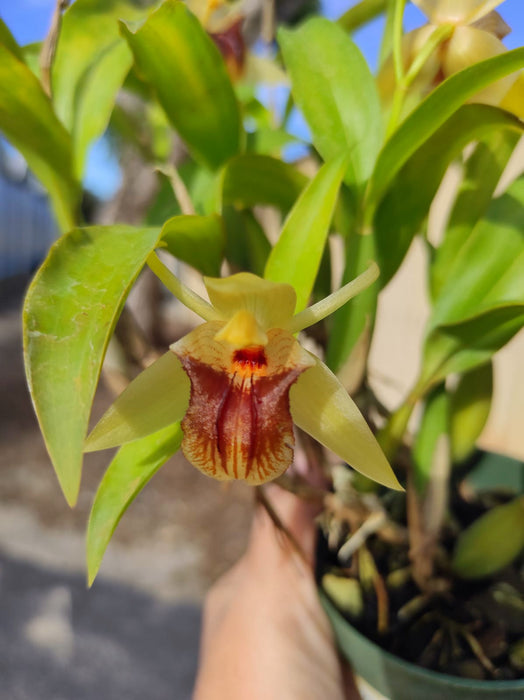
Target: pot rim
<point x="414" y="669"/>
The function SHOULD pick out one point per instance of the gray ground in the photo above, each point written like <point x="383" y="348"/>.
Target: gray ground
<point x="135" y="633"/>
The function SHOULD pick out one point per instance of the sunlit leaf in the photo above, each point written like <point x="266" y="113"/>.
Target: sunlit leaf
<point x="482" y="172"/>
<point x="126" y="476"/>
<point x="405" y="206"/>
<point x="175" y="55"/>
<point x="91" y="63"/>
<point x="481" y="306"/>
<point x="196" y="240"/>
<point x="459" y="347"/>
<point x="29" y="123"/>
<point x="9" y="42"/>
<point x="333" y="86"/>
<point x="69" y="314"/>
<point x="434" y="111"/>
<point x="296" y="257"/>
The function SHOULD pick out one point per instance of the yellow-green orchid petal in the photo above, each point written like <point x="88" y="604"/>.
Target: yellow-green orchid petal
<point x="158" y="397"/>
<point x="271" y="303"/>
<point x="456" y="11"/>
<point x="325" y="307"/>
<point x="322" y="407"/>
<point x="469" y="45"/>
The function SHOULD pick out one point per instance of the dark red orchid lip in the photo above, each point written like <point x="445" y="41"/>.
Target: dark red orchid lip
<point x="238" y="424"/>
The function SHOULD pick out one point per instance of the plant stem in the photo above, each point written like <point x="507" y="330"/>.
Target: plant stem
<point x="404" y="80"/>
<point x="189" y="298"/>
<point x="179" y="188"/>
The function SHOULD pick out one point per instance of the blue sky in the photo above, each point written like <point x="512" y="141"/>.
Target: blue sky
<point x="29" y="20"/>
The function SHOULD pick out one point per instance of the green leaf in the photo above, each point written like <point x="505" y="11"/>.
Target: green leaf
<point x="434" y="424"/>
<point x="406" y="204"/>
<point x="91" y="63"/>
<point x="296" y="257"/>
<point x="8" y="41"/>
<point x="361" y="13"/>
<point x="29" y="123"/>
<point x="489" y="270"/>
<point x="69" y="313"/>
<point x="257" y="179"/>
<point x="247" y="247"/>
<point x="491" y="542"/>
<point x="460" y="347"/>
<point x="98" y="91"/>
<point x="482" y="173"/>
<point x="470" y="404"/>
<point x="481" y="306"/>
<point x="126" y="476"/>
<point x="196" y="240"/>
<point x="334" y="88"/>
<point x="357" y="317"/>
<point x="433" y="112"/>
<point x="176" y="56"/>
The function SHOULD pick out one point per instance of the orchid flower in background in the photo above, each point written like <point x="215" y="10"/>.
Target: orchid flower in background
<point x="239" y="381"/>
<point x="474" y="34"/>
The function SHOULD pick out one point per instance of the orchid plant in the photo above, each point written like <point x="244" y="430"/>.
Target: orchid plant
<point x="229" y="391"/>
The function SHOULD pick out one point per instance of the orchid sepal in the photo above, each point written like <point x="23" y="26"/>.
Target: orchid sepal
<point x="334" y="420"/>
<point x="156" y="398"/>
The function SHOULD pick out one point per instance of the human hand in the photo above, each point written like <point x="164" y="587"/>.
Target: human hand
<point x="265" y="635"/>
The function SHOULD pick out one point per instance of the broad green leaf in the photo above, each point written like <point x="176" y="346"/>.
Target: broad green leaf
<point x="334" y="88"/>
<point x="433" y="112"/>
<point x="257" y="179"/>
<point x="482" y="172"/>
<point x="9" y="42"/>
<point x="196" y="240"/>
<point x="93" y="108"/>
<point x="470" y="404"/>
<point x="247" y="247"/>
<point x="434" y="424"/>
<point x="91" y="63"/>
<point x="460" y="347"/>
<point x="128" y="473"/>
<point x="296" y="257"/>
<point x="488" y="272"/>
<point x="361" y="13"/>
<point x="29" y="123"/>
<point x="491" y="542"/>
<point x="481" y="305"/>
<point x="322" y="407"/>
<point x="349" y="323"/>
<point x="69" y="313"/>
<point x="176" y="56"/>
<point x="406" y="204"/>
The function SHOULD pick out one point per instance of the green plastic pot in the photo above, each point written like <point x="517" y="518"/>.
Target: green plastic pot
<point x="400" y="680"/>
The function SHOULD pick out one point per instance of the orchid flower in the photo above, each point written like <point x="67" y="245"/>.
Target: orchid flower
<point x="239" y="381"/>
<point x="475" y="33"/>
